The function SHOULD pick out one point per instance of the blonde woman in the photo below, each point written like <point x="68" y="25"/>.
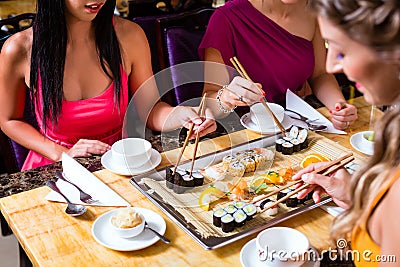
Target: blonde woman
<point x="364" y="43"/>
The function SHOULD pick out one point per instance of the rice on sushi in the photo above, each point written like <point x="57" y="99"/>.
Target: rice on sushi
<point x="227" y="160"/>
<point x="287" y="148"/>
<point x="294" y="132"/>
<point x="250" y="210"/>
<point x="271" y="211"/>
<point x="239" y="204"/>
<point x="260" y="160"/>
<point x="278" y="144"/>
<point x="230" y="209"/>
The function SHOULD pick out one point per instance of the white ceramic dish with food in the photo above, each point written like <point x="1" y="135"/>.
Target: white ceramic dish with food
<point x="246" y="121"/>
<point x="357" y="142"/>
<point x="104" y="234"/>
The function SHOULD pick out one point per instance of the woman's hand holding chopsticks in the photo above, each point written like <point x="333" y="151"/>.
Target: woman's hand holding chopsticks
<point x="336" y="185"/>
<point x="241" y="92"/>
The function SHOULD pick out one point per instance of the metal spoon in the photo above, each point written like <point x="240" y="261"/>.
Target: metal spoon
<point x="72" y="209"/>
<point x="163" y="238"/>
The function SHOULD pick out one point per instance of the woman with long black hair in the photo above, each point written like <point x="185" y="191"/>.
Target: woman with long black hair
<point x="79" y="62"/>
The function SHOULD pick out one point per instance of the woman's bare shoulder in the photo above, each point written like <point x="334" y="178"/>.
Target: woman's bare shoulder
<point x="127" y="30"/>
<point x="18" y="46"/>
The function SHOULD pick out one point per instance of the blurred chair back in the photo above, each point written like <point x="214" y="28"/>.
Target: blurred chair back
<point x="179" y="39"/>
<point x="142" y="8"/>
<point x="14" y="154"/>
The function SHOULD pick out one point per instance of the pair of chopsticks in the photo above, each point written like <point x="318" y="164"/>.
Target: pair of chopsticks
<point x="200" y="112"/>
<point x="332" y="166"/>
<point x="239" y="67"/>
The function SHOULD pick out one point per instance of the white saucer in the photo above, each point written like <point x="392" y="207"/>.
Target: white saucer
<point x="249" y="257"/>
<point x="355" y="141"/>
<point x="103" y="232"/>
<point x="109" y="164"/>
<point x="246" y="121"/>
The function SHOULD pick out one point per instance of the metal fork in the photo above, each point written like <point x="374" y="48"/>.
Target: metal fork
<point x="301" y="117"/>
<point x="84" y="197"/>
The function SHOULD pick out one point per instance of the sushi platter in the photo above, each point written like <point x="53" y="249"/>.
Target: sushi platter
<point x="212" y="211"/>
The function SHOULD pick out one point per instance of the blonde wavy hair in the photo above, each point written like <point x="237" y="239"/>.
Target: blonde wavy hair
<point x="374" y="23"/>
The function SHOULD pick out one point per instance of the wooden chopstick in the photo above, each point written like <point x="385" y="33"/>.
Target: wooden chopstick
<point x="328" y="171"/>
<point x="324" y="170"/>
<point x="239" y="67"/>
<point x="189" y="133"/>
<point x="196" y="142"/>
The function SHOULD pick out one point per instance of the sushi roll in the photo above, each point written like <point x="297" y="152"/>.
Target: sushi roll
<point x="283" y="193"/>
<point x="178" y="183"/>
<point x="296" y="145"/>
<point x="188" y="181"/>
<point x="198" y="178"/>
<point x="250" y="210"/>
<point x="227" y="160"/>
<point x="239" y="204"/>
<point x="217" y="215"/>
<point x="261" y="161"/>
<point x="248" y="152"/>
<point x="240" y="218"/>
<point x="249" y="163"/>
<point x="169" y="177"/>
<point x="303" y="138"/>
<point x="294" y="132"/>
<point x="230" y="209"/>
<point x="278" y="144"/>
<point x="236" y="169"/>
<point x="287" y="148"/>
<point x="271" y="211"/>
<point x="227" y="223"/>
<point x="292" y="201"/>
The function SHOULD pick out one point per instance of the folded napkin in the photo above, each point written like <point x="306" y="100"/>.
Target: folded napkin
<point x="332" y="210"/>
<point x="295" y="103"/>
<point x="89" y="183"/>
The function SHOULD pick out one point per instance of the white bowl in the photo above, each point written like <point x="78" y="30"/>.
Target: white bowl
<point x="261" y="117"/>
<point x="131" y="152"/>
<point x="128" y="232"/>
<point x="369" y="145"/>
<point x="282" y="247"/>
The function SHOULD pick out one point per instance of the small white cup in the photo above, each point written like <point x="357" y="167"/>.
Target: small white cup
<point x="128" y="232"/>
<point x="260" y="116"/>
<point x="131" y="152"/>
<point x="282" y="247"/>
<point x="365" y="142"/>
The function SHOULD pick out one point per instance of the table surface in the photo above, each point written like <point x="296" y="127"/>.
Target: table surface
<point x="52" y="238"/>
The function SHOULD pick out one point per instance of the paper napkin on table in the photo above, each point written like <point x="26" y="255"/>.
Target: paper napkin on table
<point x="89" y="183"/>
<point x="332" y="210"/>
<point x="295" y="103"/>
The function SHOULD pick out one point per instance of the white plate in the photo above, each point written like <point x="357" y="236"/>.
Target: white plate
<point x="249" y="257"/>
<point x="246" y="121"/>
<point x="355" y="141"/>
<point x="103" y="232"/>
<point x="109" y="164"/>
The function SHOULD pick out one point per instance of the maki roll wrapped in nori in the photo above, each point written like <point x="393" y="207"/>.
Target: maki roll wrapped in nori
<point x="287" y="148"/>
<point x="227" y="223"/>
<point x="169" y="177"/>
<point x="283" y="193"/>
<point x="296" y="145"/>
<point x="198" y="178"/>
<point x="239" y="204"/>
<point x="240" y="218"/>
<point x="230" y="209"/>
<point x="217" y="215"/>
<point x="188" y="181"/>
<point x="250" y="210"/>
<point x="278" y="144"/>
<point x="292" y="201"/>
<point x="303" y="138"/>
